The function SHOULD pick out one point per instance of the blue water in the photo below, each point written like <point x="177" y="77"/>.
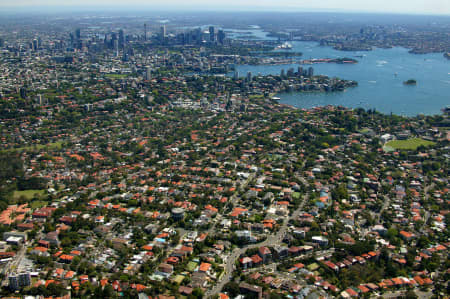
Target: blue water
<point x="255" y="31"/>
<point x="380" y="75"/>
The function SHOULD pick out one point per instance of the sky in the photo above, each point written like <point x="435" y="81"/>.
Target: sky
<point x="441" y="7"/>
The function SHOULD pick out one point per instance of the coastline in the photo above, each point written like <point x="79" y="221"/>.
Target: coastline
<point x="278" y="101"/>
<point x="380" y="74"/>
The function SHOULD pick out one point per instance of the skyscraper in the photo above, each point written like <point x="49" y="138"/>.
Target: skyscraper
<point x="198" y="34"/>
<point x="35" y="45"/>
<point x="212" y="37"/>
<point x="106" y="40"/>
<point x="145" y="31"/>
<point x="187" y="38"/>
<point x="113" y="40"/>
<point x="78" y="34"/>
<point x="163" y="32"/>
<point x="121" y="39"/>
<point x="221" y="36"/>
<point x="116" y="47"/>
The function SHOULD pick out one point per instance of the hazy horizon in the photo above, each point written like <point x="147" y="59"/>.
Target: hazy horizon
<point x="417" y="7"/>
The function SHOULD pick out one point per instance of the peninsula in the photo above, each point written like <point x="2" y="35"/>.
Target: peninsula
<point x="344" y="60"/>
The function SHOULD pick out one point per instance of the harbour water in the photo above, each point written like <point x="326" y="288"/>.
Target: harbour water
<point x="380" y="74"/>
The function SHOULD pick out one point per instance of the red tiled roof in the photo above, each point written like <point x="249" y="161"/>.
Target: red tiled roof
<point x="351" y="292"/>
<point x="204" y="267"/>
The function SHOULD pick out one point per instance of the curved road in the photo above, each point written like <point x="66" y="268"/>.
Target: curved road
<point x="272" y="240"/>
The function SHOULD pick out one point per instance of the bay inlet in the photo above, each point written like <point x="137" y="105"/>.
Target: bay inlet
<point x="380" y="74"/>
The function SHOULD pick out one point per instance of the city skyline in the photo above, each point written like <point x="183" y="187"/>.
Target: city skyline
<point x="440" y="7"/>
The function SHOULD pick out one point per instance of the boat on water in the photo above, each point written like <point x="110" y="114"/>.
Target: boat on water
<point x="285" y="46"/>
<point x="410" y="82"/>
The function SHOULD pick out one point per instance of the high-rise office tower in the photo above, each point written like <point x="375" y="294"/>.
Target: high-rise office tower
<point x="197" y="35"/>
<point x="113" y="40"/>
<point x="35" y="45"/>
<point x="212" y="37"/>
<point x="121" y="39"/>
<point x="221" y="36"/>
<point x="78" y="34"/>
<point x="163" y="31"/>
<point x="249" y="76"/>
<point x="116" y="47"/>
<point x="187" y="38"/>
<point x="106" y="41"/>
<point x="145" y="31"/>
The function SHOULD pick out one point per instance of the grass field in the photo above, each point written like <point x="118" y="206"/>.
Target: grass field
<point x="29" y="194"/>
<point x="37" y="204"/>
<point x="116" y="76"/>
<point x="409" y="144"/>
